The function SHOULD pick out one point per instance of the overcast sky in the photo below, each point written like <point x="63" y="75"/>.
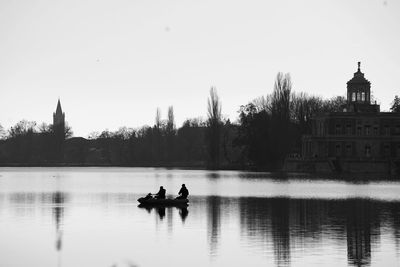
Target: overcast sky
<point x="112" y="63"/>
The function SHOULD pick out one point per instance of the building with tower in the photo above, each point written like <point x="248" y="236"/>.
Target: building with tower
<point x="59" y="116"/>
<point x="59" y="122"/>
<point x="360" y="138"/>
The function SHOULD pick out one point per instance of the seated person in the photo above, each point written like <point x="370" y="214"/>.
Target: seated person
<point x="183" y="193"/>
<point x="161" y="193"/>
<point x="149" y="196"/>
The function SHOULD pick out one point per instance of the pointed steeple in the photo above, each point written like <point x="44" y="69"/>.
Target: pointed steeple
<point x="58" y="109"/>
<point x="59" y="116"/>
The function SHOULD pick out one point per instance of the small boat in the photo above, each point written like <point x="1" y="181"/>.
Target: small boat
<point x="163" y="202"/>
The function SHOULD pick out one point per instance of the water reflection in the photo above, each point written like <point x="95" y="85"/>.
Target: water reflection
<point x="160" y="211"/>
<point x="58" y="200"/>
<point x="306" y="224"/>
<point x="213" y="175"/>
<point x="53" y="203"/>
<point x="214" y="222"/>
<point x="283" y="230"/>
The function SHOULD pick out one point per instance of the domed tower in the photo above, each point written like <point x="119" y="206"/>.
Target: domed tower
<point x="359" y="94"/>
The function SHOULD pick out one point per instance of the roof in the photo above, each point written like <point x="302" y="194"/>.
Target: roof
<point x="59" y="110"/>
<point x="358" y="77"/>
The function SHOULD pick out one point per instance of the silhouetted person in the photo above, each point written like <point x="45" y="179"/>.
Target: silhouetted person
<point x="183" y="193"/>
<point x="148" y="196"/>
<point x="161" y="193"/>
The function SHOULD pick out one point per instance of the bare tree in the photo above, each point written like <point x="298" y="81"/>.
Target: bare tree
<point x="156" y="147"/>
<point x="280" y="102"/>
<point x="395" y="105"/>
<point x="170" y="135"/>
<point x="263" y="103"/>
<point x="158" y="119"/>
<point x="214" y="106"/>
<point x="2" y="133"/>
<point x="45" y="128"/>
<point x="280" y="114"/>
<point x="171" y="120"/>
<point x="303" y="107"/>
<point x="22" y="128"/>
<point x="214" y="128"/>
<point x="334" y="104"/>
<point x="93" y="135"/>
<point x="68" y="133"/>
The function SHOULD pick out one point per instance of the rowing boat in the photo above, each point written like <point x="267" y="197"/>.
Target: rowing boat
<point x="163" y="202"/>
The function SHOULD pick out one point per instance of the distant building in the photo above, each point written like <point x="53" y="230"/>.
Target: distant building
<point x="59" y="121"/>
<point x="59" y="116"/>
<point x="358" y="139"/>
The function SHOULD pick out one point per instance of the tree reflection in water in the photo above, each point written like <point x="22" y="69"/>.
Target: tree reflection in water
<point x="304" y="223"/>
<point x="214" y="222"/>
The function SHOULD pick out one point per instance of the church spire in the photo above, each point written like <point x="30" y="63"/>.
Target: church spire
<point x="59" y="116"/>
<point x="359" y="66"/>
<point x="58" y="109"/>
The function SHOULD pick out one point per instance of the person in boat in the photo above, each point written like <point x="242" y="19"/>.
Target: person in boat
<point x="161" y="193"/>
<point x="183" y="193"/>
<point x="149" y="196"/>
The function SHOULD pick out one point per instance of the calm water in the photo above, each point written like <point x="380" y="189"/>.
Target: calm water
<point x="89" y="217"/>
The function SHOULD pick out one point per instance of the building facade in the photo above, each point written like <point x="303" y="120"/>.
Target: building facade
<point x="358" y="139"/>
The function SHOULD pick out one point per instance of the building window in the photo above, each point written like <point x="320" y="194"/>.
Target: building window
<point x="348" y="150"/>
<point x="353" y="96"/>
<point x="337" y="129"/>
<point x="358" y="96"/>
<point x="358" y="130"/>
<point x="386" y="150"/>
<point x="376" y="131"/>
<point x="398" y="129"/>
<point x="387" y="130"/>
<point x="363" y="96"/>
<point x="338" y="150"/>
<point x="348" y="129"/>
<point x="367" y="130"/>
<point x="320" y="128"/>
<point x="367" y="151"/>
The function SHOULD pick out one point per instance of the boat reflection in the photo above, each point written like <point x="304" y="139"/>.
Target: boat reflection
<point x="160" y="210"/>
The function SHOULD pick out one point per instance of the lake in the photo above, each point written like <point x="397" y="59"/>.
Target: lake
<point x="90" y="217"/>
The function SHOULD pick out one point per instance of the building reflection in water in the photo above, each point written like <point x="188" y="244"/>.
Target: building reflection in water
<point x="304" y="223"/>
<point x="58" y="202"/>
<point x="58" y="199"/>
<point x="359" y="233"/>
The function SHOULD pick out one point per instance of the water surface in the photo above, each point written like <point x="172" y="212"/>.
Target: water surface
<point x="89" y="217"/>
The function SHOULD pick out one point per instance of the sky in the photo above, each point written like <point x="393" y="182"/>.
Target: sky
<point x="112" y="63"/>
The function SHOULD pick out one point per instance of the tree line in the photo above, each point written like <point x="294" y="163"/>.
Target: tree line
<point x="267" y="130"/>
